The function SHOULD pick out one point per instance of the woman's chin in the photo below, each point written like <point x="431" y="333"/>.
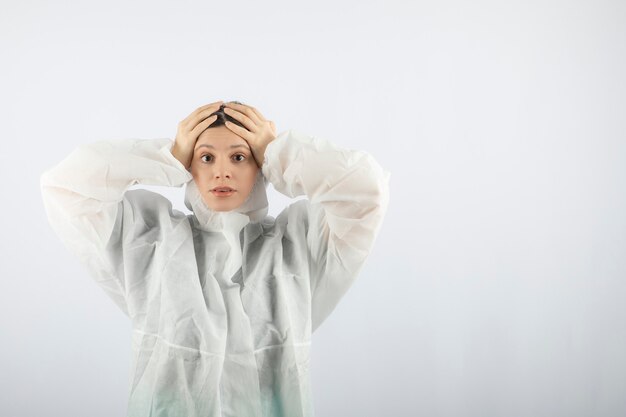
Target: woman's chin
<point x="221" y="206"/>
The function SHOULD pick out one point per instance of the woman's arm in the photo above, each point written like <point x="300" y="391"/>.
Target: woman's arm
<point x="348" y="193"/>
<point x="88" y="207"/>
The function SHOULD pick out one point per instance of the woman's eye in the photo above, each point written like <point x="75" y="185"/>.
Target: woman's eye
<point x="242" y="157"/>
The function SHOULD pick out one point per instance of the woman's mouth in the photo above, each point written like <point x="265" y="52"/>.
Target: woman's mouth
<point x="223" y="191"/>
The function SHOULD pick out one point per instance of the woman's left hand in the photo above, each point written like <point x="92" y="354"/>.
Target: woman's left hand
<point x="260" y="131"/>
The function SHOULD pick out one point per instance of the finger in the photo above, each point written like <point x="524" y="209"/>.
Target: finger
<point x="191" y="123"/>
<point x="218" y="103"/>
<point x="258" y="113"/>
<point x="246" y="135"/>
<point x="247" y="110"/>
<point x="200" y="127"/>
<point x="201" y="109"/>
<point x="245" y="120"/>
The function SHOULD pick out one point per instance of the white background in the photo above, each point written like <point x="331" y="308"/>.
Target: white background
<point x="497" y="284"/>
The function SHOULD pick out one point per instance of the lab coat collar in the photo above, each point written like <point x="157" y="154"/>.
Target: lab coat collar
<point x="253" y="210"/>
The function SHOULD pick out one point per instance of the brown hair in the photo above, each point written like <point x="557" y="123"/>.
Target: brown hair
<point x="223" y="117"/>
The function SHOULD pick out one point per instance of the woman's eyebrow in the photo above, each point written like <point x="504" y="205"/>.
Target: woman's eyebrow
<point x="231" y="146"/>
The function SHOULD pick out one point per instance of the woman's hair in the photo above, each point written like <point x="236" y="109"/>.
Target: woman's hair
<point x="223" y="117"/>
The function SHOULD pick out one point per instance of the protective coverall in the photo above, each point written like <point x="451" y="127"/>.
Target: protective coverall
<point x="222" y="304"/>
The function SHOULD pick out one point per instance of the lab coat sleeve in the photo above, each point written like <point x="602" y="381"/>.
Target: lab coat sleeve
<point x="348" y="196"/>
<point x="87" y="204"/>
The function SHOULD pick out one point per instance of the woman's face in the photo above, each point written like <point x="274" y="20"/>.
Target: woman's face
<point x="222" y="158"/>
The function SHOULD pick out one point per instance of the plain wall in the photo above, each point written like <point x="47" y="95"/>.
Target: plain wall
<point x="498" y="281"/>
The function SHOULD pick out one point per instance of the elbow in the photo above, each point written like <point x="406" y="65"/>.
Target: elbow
<point x="44" y="181"/>
<point x="379" y="202"/>
<point x="378" y="184"/>
<point x="382" y="196"/>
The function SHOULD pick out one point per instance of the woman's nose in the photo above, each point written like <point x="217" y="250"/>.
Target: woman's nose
<point x="222" y="170"/>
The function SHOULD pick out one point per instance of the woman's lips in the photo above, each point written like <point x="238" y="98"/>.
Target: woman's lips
<point x="219" y="193"/>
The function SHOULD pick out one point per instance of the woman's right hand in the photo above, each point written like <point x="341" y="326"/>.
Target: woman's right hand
<point x="189" y="129"/>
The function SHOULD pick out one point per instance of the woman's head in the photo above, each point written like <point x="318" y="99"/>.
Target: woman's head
<point x="221" y="158"/>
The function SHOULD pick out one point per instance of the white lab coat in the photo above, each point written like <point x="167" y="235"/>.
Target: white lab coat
<point x="222" y="304"/>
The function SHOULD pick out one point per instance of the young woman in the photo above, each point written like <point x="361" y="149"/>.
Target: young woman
<point x="223" y="301"/>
